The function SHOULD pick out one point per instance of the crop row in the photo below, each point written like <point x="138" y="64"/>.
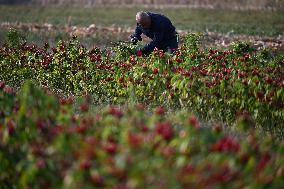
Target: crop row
<point x="215" y="84"/>
<point x="49" y="142"/>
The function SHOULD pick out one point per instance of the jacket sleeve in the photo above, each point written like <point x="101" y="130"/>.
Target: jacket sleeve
<point x="137" y="33"/>
<point x="158" y="36"/>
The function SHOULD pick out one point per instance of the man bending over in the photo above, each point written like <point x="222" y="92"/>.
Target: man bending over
<point x="157" y="27"/>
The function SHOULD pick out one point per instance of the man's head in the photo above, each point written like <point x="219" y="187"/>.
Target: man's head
<point x="143" y="19"/>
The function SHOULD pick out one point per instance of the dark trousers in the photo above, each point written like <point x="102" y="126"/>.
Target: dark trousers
<point x="170" y="45"/>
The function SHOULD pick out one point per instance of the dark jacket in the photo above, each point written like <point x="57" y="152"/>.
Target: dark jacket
<point x="161" y="31"/>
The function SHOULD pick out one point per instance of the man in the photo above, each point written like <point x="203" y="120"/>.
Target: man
<point x="157" y="27"/>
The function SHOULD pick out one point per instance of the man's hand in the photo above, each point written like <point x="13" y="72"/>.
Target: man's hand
<point x="134" y="40"/>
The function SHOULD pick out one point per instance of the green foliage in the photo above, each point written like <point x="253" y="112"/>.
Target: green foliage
<point x="192" y="42"/>
<point x="241" y="47"/>
<point x="14" y="38"/>
<point x="128" y="146"/>
<point x="215" y="84"/>
<point x="124" y="49"/>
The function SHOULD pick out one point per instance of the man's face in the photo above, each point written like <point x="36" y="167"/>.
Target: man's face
<point x="144" y="23"/>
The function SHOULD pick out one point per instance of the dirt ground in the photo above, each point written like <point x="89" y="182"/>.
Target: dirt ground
<point x="210" y="39"/>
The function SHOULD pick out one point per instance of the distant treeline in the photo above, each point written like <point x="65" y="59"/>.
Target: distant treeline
<point x="233" y="4"/>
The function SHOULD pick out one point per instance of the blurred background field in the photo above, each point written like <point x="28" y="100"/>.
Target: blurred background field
<point x="50" y="20"/>
<point x="233" y="4"/>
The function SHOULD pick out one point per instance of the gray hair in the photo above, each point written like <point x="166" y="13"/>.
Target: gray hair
<point x="142" y="16"/>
